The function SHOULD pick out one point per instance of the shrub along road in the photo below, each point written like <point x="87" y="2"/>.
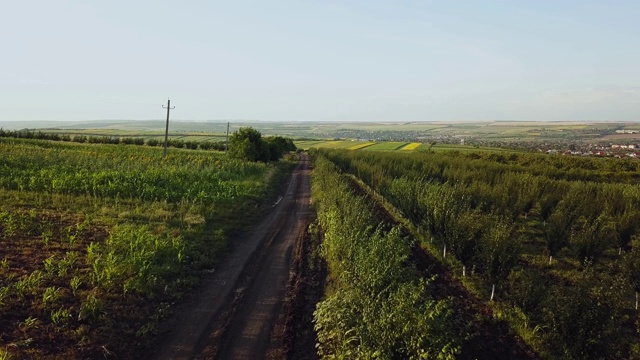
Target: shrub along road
<point x="235" y="312"/>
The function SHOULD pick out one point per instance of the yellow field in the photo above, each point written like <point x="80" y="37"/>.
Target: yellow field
<point x="361" y="146"/>
<point x="357" y="145"/>
<point x="411" y="146"/>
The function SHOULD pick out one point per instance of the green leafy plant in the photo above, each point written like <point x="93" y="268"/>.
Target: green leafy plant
<point x="51" y="295"/>
<point x="60" y="316"/>
<point x="92" y="308"/>
<point x="46" y="236"/>
<point x="75" y="284"/>
<point x="28" y="324"/>
<point x="50" y="265"/>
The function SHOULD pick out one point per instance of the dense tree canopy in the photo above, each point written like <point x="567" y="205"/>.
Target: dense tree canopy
<point x="248" y="144"/>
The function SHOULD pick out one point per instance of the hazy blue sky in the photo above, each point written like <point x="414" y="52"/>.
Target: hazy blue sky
<point x="372" y="60"/>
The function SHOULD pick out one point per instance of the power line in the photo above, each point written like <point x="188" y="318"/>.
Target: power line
<point x="166" y="132"/>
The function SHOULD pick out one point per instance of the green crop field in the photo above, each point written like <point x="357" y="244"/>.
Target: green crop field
<point x="305" y="145"/>
<point x="338" y="144"/>
<point x="463" y="148"/>
<point x="97" y="240"/>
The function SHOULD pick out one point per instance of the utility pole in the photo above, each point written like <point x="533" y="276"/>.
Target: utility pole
<point x="227" y="147"/>
<point x="166" y="131"/>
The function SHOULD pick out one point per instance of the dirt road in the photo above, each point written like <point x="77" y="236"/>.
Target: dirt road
<point x="233" y="316"/>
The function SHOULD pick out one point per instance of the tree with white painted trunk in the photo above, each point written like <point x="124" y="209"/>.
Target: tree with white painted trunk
<point x="500" y="251"/>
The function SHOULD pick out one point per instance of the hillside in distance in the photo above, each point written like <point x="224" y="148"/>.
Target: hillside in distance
<point x="451" y="131"/>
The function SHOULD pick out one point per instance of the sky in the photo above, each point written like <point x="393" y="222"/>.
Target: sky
<point x="321" y="60"/>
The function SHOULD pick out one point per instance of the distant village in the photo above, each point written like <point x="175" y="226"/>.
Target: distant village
<point x="611" y="150"/>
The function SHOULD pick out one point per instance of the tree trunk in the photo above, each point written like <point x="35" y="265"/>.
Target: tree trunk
<point x="550" y="258"/>
<point x="493" y="291"/>
<point x="444" y="252"/>
<point x="464" y="271"/>
<point x="636" y="300"/>
<point x="620" y="250"/>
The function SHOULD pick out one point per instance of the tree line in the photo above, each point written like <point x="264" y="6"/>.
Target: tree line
<point x="245" y="144"/>
<point x="114" y="140"/>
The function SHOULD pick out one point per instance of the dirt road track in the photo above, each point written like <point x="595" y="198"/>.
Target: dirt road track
<point x="257" y="268"/>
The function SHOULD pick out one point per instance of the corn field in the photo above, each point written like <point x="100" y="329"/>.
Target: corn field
<point x="97" y="241"/>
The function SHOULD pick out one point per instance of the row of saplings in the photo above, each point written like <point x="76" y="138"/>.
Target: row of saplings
<point x="376" y="306"/>
<point x="579" y="316"/>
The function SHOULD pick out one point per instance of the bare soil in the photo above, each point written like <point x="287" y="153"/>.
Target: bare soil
<point x="294" y="336"/>
<point x="234" y="315"/>
<point x="22" y="256"/>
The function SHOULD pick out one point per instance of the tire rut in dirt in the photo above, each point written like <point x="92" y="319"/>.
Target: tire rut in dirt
<point x="218" y="343"/>
<point x="208" y="346"/>
<point x="254" y="313"/>
<point x="294" y="336"/>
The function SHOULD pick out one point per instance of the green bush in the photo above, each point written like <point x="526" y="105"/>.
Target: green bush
<point x="153" y="142"/>
<point x="248" y="144"/>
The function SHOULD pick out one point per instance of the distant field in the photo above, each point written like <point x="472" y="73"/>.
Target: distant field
<point x="339" y="144"/>
<point x="397" y="132"/>
<point x="387" y="146"/>
<point x="351" y="145"/>
<point x="622" y="137"/>
<point x="308" y="144"/>
<point x="411" y="146"/>
<point x="332" y="144"/>
<point x="361" y="146"/>
<point x="464" y="148"/>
